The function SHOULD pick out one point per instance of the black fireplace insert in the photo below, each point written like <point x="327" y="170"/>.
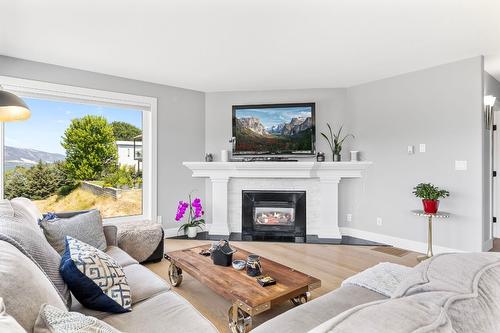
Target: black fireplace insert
<point x="274" y="216"/>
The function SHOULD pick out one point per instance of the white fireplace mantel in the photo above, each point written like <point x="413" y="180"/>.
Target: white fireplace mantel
<point x="329" y="175"/>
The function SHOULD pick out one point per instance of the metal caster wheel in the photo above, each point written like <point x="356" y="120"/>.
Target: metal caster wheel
<point x="302" y="299"/>
<point x="174" y="275"/>
<point x="241" y="323"/>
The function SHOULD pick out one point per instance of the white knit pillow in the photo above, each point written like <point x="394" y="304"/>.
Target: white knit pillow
<point x="54" y="320"/>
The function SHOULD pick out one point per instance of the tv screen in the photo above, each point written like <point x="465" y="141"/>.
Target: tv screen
<point x="274" y="129"/>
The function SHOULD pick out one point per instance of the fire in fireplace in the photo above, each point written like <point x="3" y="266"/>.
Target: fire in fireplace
<point x="274" y="216"/>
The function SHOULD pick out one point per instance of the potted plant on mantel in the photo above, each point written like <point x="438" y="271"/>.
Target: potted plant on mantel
<point x="195" y="214"/>
<point x="430" y="195"/>
<point x="336" y="140"/>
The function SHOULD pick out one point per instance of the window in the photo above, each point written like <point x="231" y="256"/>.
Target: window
<point x="75" y="154"/>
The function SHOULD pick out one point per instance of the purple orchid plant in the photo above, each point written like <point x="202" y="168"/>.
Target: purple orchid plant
<point x="195" y="213"/>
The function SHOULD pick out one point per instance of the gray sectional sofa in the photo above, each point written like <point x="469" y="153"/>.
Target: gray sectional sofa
<point x="25" y="286"/>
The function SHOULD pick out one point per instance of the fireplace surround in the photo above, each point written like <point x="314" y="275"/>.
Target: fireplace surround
<point x="274" y="216"/>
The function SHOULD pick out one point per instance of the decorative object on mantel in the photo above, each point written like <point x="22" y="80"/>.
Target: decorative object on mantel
<point x="354" y="156"/>
<point x="195" y="211"/>
<point x="430" y="195"/>
<point x="209" y="157"/>
<point x="336" y="141"/>
<point x="429" y="216"/>
<point x="224" y="155"/>
<point x="320" y="157"/>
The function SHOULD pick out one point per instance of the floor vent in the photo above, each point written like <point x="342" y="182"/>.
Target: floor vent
<point x="393" y="251"/>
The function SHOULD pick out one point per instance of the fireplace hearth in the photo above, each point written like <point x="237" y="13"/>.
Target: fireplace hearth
<point x="274" y="216"/>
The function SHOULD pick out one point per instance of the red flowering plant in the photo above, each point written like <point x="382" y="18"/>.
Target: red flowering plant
<point x="195" y="213"/>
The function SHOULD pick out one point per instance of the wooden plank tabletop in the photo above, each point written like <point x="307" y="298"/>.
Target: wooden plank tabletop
<point x="237" y="285"/>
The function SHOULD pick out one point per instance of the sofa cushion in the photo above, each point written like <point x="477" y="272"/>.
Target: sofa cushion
<point x="144" y="283"/>
<point x="26" y="211"/>
<point x="86" y="227"/>
<point x="6" y="210"/>
<point x="7" y="322"/>
<point x="96" y="279"/>
<point x="33" y="244"/>
<point x="122" y="258"/>
<point x="166" y="312"/>
<point x="24" y="287"/>
<point x="409" y="314"/>
<point x="53" y="320"/>
<point x="311" y="314"/>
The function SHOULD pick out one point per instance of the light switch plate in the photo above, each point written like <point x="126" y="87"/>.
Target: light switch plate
<point x="461" y="165"/>
<point x="379" y="221"/>
<point x="348" y="217"/>
<point x="422" y="148"/>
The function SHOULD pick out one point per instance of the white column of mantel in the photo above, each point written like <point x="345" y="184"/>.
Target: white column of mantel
<point x="329" y="214"/>
<point x="220" y="224"/>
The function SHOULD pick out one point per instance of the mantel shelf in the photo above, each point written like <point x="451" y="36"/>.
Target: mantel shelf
<point x="278" y="169"/>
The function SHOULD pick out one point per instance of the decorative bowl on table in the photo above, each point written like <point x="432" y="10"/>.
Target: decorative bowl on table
<point x="239" y="264"/>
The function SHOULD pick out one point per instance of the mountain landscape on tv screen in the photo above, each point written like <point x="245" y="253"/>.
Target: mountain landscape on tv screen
<point x="290" y="136"/>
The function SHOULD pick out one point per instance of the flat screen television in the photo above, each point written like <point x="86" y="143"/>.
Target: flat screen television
<point x="274" y="129"/>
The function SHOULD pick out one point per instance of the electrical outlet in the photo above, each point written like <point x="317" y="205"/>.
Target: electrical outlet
<point x="379" y="221"/>
<point x="411" y="150"/>
<point x="348" y="217"/>
<point x="422" y="148"/>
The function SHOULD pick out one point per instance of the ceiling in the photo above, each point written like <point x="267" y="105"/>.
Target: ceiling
<point x="226" y="45"/>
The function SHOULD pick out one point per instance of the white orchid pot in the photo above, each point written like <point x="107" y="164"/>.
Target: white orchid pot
<point x="192" y="232"/>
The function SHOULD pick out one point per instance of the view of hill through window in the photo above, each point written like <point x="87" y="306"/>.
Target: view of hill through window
<point x="71" y="156"/>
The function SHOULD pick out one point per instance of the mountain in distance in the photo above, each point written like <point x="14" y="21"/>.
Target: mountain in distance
<point x="253" y="124"/>
<point x="15" y="156"/>
<point x="294" y="127"/>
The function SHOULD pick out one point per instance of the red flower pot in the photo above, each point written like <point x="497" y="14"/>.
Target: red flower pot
<point x="430" y="206"/>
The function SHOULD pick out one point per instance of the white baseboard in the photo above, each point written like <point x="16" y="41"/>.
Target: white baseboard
<point x="402" y="243"/>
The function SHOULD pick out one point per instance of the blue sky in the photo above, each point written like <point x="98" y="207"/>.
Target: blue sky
<point x="274" y="116"/>
<point x="49" y="119"/>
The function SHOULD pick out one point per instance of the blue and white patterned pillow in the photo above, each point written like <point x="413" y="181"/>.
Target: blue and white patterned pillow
<point x="95" y="279"/>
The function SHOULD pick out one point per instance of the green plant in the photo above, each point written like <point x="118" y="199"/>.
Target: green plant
<point x="90" y="147"/>
<point x="429" y="192"/>
<point x="124" y="176"/>
<point x="124" y="131"/>
<point x="336" y="140"/>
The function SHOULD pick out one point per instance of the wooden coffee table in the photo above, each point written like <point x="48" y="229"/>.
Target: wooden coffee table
<point x="248" y="297"/>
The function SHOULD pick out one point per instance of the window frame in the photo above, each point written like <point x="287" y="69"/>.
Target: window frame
<point x="147" y="105"/>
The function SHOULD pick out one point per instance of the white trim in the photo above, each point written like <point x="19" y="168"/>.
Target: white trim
<point x="402" y="243"/>
<point x="173" y="232"/>
<point x="487" y="245"/>
<point x="149" y="106"/>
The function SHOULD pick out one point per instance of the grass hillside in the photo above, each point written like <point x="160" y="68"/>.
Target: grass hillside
<point x="129" y="204"/>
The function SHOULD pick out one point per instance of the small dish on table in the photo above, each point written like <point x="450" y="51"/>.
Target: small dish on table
<point x="239" y="264"/>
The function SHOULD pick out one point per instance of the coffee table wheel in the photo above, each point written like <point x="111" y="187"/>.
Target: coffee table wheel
<point x="174" y="275"/>
<point x="301" y="299"/>
<point x="243" y="322"/>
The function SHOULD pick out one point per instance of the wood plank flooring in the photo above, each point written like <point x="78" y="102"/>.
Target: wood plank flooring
<point x="329" y="263"/>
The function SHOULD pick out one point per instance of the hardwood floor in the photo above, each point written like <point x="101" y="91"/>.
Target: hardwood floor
<point x="329" y="263"/>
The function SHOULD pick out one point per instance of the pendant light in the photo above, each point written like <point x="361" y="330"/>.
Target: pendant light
<point x="12" y="108"/>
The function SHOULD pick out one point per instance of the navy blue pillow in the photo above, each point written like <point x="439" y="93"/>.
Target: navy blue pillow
<point x="95" y="279"/>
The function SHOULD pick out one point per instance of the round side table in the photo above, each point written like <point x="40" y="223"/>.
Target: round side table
<point x="429" y="216"/>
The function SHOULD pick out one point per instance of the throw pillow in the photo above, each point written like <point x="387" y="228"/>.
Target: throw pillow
<point x="27" y="212"/>
<point x="54" y="320"/>
<point x="24" y="287"/>
<point x="33" y="245"/>
<point x="7" y="323"/>
<point x="6" y="209"/>
<point x="86" y="227"/>
<point x="95" y="279"/>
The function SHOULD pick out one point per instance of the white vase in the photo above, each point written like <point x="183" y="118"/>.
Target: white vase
<point x="192" y="232"/>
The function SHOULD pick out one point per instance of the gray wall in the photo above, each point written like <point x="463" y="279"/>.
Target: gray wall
<point x="181" y="123"/>
<point x="440" y="107"/>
